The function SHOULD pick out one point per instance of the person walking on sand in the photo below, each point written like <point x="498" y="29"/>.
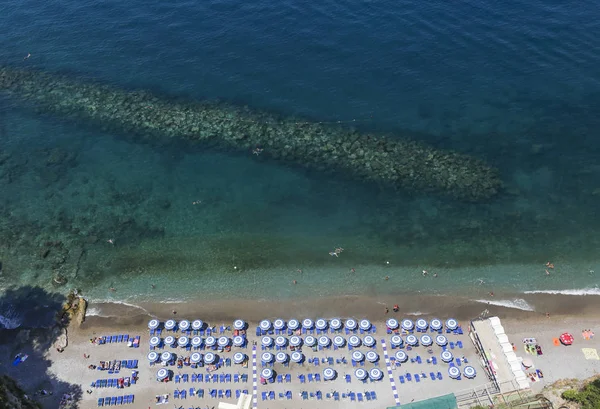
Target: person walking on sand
<point x="387" y="310"/>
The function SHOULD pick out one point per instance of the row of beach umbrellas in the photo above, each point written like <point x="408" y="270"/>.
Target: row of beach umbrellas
<point x="468" y="372"/>
<point x="320" y="324"/>
<point x="421" y="324"/>
<point x="197" y="342"/>
<point x="196" y="357"/>
<point x="307" y="323"/>
<point x="296" y="341"/>
<point x="328" y="374"/>
<point x="185" y="325"/>
<point x="374" y="374"/>
<point x="323" y="341"/>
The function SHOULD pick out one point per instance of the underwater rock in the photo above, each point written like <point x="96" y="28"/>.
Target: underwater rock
<point x="388" y="161"/>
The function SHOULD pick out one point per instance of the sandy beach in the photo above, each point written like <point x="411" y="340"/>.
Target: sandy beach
<point x="70" y="367"/>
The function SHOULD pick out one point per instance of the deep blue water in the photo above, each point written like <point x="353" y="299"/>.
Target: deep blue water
<point x="514" y="83"/>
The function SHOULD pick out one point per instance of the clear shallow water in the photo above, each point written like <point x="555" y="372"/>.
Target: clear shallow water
<point x="513" y="83"/>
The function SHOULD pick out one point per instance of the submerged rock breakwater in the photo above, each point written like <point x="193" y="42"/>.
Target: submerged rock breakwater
<point x="396" y="162"/>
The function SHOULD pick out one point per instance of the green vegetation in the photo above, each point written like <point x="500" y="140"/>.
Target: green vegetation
<point x="588" y="397"/>
<point x="13" y="397"/>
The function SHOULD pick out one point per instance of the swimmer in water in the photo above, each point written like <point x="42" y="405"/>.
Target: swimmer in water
<point x="424" y="273"/>
<point x="27" y="56"/>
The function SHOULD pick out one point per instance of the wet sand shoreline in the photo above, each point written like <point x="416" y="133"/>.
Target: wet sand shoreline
<point x="347" y="306"/>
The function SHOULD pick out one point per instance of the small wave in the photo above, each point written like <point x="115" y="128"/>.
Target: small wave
<point x="416" y="313"/>
<point x="9" y="323"/>
<point x="578" y="291"/>
<point x="93" y="310"/>
<point x="517" y="303"/>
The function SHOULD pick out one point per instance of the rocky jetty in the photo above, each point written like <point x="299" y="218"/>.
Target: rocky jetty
<point x="388" y="161"/>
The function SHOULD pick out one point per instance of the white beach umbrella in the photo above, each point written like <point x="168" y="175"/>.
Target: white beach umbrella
<point x="239" y="357"/>
<point x="396" y="340"/>
<point x="281" y="357"/>
<point x="197" y="342"/>
<point x="153" y="356"/>
<point x="453" y="372"/>
<point x="238" y="341"/>
<point x="266" y="373"/>
<point x="184" y="325"/>
<point x="153" y="324"/>
<point x="170" y="340"/>
<point x="307" y="323"/>
<point x="354" y="341"/>
<point x="452" y="324"/>
<point x="426" y="340"/>
<point x="297" y="357"/>
<point x="365" y="325"/>
<point x="447" y="356"/>
<point x="324" y="341"/>
<point x="412" y="340"/>
<point x="266" y="341"/>
<point x="223" y="341"/>
<point x="407" y="324"/>
<point x="279" y="324"/>
<point x="435" y="324"/>
<point x="469" y="372"/>
<point x="210" y="341"/>
<point x="401" y="356"/>
<point x="392" y="323"/>
<point x="166" y="356"/>
<point x="441" y="340"/>
<point x="293" y="324"/>
<point x="210" y="358"/>
<point x="170" y="325"/>
<point x="339" y="341"/>
<point x="295" y="341"/>
<point x="351" y="324"/>
<point x="421" y="324"/>
<point x="369" y="341"/>
<point x="360" y="374"/>
<point x="196" y="357"/>
<point x="310" y="340"/>
<point x="281" y="341"/>
<point x="372" y="356"/>
<point x="321" y="324"/>
<point x="183" y="341"/>
<point x="375" y="374"/>
<point x="358" y="356"/>
<point x="239" y="324"/>
<point x="335" y="323"/>
<point x="197" y="325"/>
<point x="329" y="374"/>
<point x="267" y="357"/>
<point x="154" y="341"/>
<point x="162" y="374"/>
<point x="265" y="325"/>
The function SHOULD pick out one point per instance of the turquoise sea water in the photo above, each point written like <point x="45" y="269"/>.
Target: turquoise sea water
<point x="513" y="83"/>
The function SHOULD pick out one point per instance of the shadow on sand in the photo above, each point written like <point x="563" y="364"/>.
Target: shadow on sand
<point x="31" y="322"/>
